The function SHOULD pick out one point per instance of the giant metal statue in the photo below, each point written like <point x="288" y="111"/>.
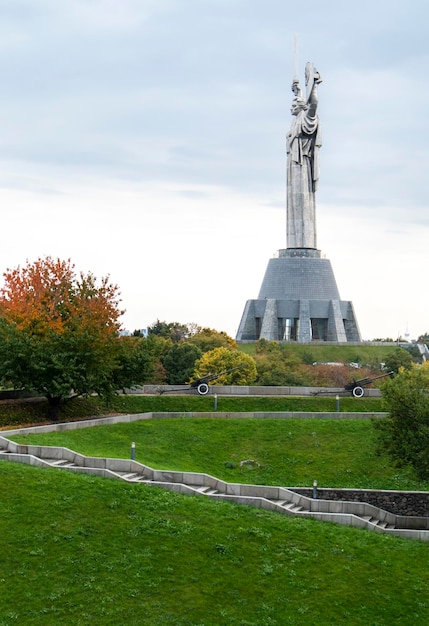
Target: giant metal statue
<point x="299" y="298"/>
<point x="303" y="143"/>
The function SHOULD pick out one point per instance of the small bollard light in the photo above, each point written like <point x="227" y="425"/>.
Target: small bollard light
<point x="133" y="450"/>
<point x="314" y="489"/>
<point x="337" y="400"/>
<point x="215" y="401"/>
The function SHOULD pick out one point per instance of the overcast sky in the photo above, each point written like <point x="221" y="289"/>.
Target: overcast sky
<point x="145" y="139"/>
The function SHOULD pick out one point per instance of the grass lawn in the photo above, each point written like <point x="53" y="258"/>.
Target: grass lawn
<point x="291" y="452"/>
<point x="325" y="353"/>
<point x="22" y="413"/>
<point x="81" y="550"/>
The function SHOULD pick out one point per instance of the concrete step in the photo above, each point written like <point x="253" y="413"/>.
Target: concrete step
<point x="386" y="525"/>
<point x="292" y="507"/>
<point x="61" y="463"/>
<point x="207" y="491"/>
<point x="131" y="476"/>
<point x="372" y="520"/>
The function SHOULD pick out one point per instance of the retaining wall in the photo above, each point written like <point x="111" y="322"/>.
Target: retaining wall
<point x="398" y="502"/>
<point x="117" y="419"/>
<point x="249" y="390"/>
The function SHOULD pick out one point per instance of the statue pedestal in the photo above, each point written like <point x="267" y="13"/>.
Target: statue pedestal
<point x="299" y="301"/>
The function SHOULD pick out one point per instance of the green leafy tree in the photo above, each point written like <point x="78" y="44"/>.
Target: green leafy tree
<point x="404" y="434"/>
<point x="220" y="360"/>
<point x="136" y="362"/>
<point x="208" y="339"/>
<point x="263" y="346"/>
<point x="58" y="331"/>
<point x="179" y="362"/>
<point x="157" y="348"/>
<point x="141" y="360"/>
<point x="275" y="370"/>
<point x="277" y="366"/>
<point x="172" y="330"/>
<point x="424" y="338"/>
<point x="397" y="359"/>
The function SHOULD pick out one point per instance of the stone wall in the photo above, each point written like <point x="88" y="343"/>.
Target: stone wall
<point x="398" y="502"/>
<point x="255" y="390"/>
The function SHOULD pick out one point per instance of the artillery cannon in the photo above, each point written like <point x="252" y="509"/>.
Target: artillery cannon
<point x="357" y="386"/>
<point x="202" y="384"/>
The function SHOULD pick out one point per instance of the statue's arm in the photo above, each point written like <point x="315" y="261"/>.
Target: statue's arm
<point x="313" y="101"/>
<point x="312" y="79"/>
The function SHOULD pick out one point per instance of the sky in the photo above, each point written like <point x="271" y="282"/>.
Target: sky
<point x="145" y="139"/>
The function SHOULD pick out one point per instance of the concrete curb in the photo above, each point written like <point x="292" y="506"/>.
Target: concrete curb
<point x="118" y="419"/>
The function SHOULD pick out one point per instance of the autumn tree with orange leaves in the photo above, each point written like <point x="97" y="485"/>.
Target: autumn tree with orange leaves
<point x="58" y="331"/>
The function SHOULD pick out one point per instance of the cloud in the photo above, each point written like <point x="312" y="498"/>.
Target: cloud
<point x="147" y="140"/>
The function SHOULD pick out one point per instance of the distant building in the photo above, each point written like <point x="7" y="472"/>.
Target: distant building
<point x="127" y="333"/>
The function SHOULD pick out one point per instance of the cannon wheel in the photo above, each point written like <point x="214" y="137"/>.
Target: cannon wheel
<point x="203" y="389"/>
<point x="358" y="392"/>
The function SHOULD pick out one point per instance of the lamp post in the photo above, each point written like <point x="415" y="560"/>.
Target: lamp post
<point x="314" y="489"/>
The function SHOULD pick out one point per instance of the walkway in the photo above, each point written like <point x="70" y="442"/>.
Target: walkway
<point x="280" y="499"/>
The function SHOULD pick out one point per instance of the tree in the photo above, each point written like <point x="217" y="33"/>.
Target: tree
<point x="424" y="338"/>
<point x="275" y="370"/>
<point x="58" y="331"/>
<point x="172" y="330"/>
<point x="137" y="362"/>
<point x="219" y="360"/>
<point x="208" y="339"/>
<point x="397" y="359"/>
<point x="404" y="434"/>
<point x="179" y="362"/>
<point x="276" y="365"/>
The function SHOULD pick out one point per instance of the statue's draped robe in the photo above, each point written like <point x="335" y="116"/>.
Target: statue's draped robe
<point x="303" y="143"/>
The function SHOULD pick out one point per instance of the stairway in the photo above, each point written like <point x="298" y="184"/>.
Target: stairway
<point x="280" y="499"/>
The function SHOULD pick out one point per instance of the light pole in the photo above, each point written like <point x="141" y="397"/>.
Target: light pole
<point x="314" y="489"/>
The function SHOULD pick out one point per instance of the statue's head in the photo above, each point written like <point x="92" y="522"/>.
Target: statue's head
<point x="298" y="105"/>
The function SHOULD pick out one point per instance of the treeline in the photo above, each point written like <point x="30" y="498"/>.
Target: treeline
<point x="60" y="337"/>
<point x="179" y="353"/>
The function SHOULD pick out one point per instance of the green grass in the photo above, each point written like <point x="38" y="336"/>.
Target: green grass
<point x="84" y="550"/>
<point x="80" y="549"/>
<point x="24" y="413"/>
<point x="326" y="353"/>
<point x="291" y="452"/>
